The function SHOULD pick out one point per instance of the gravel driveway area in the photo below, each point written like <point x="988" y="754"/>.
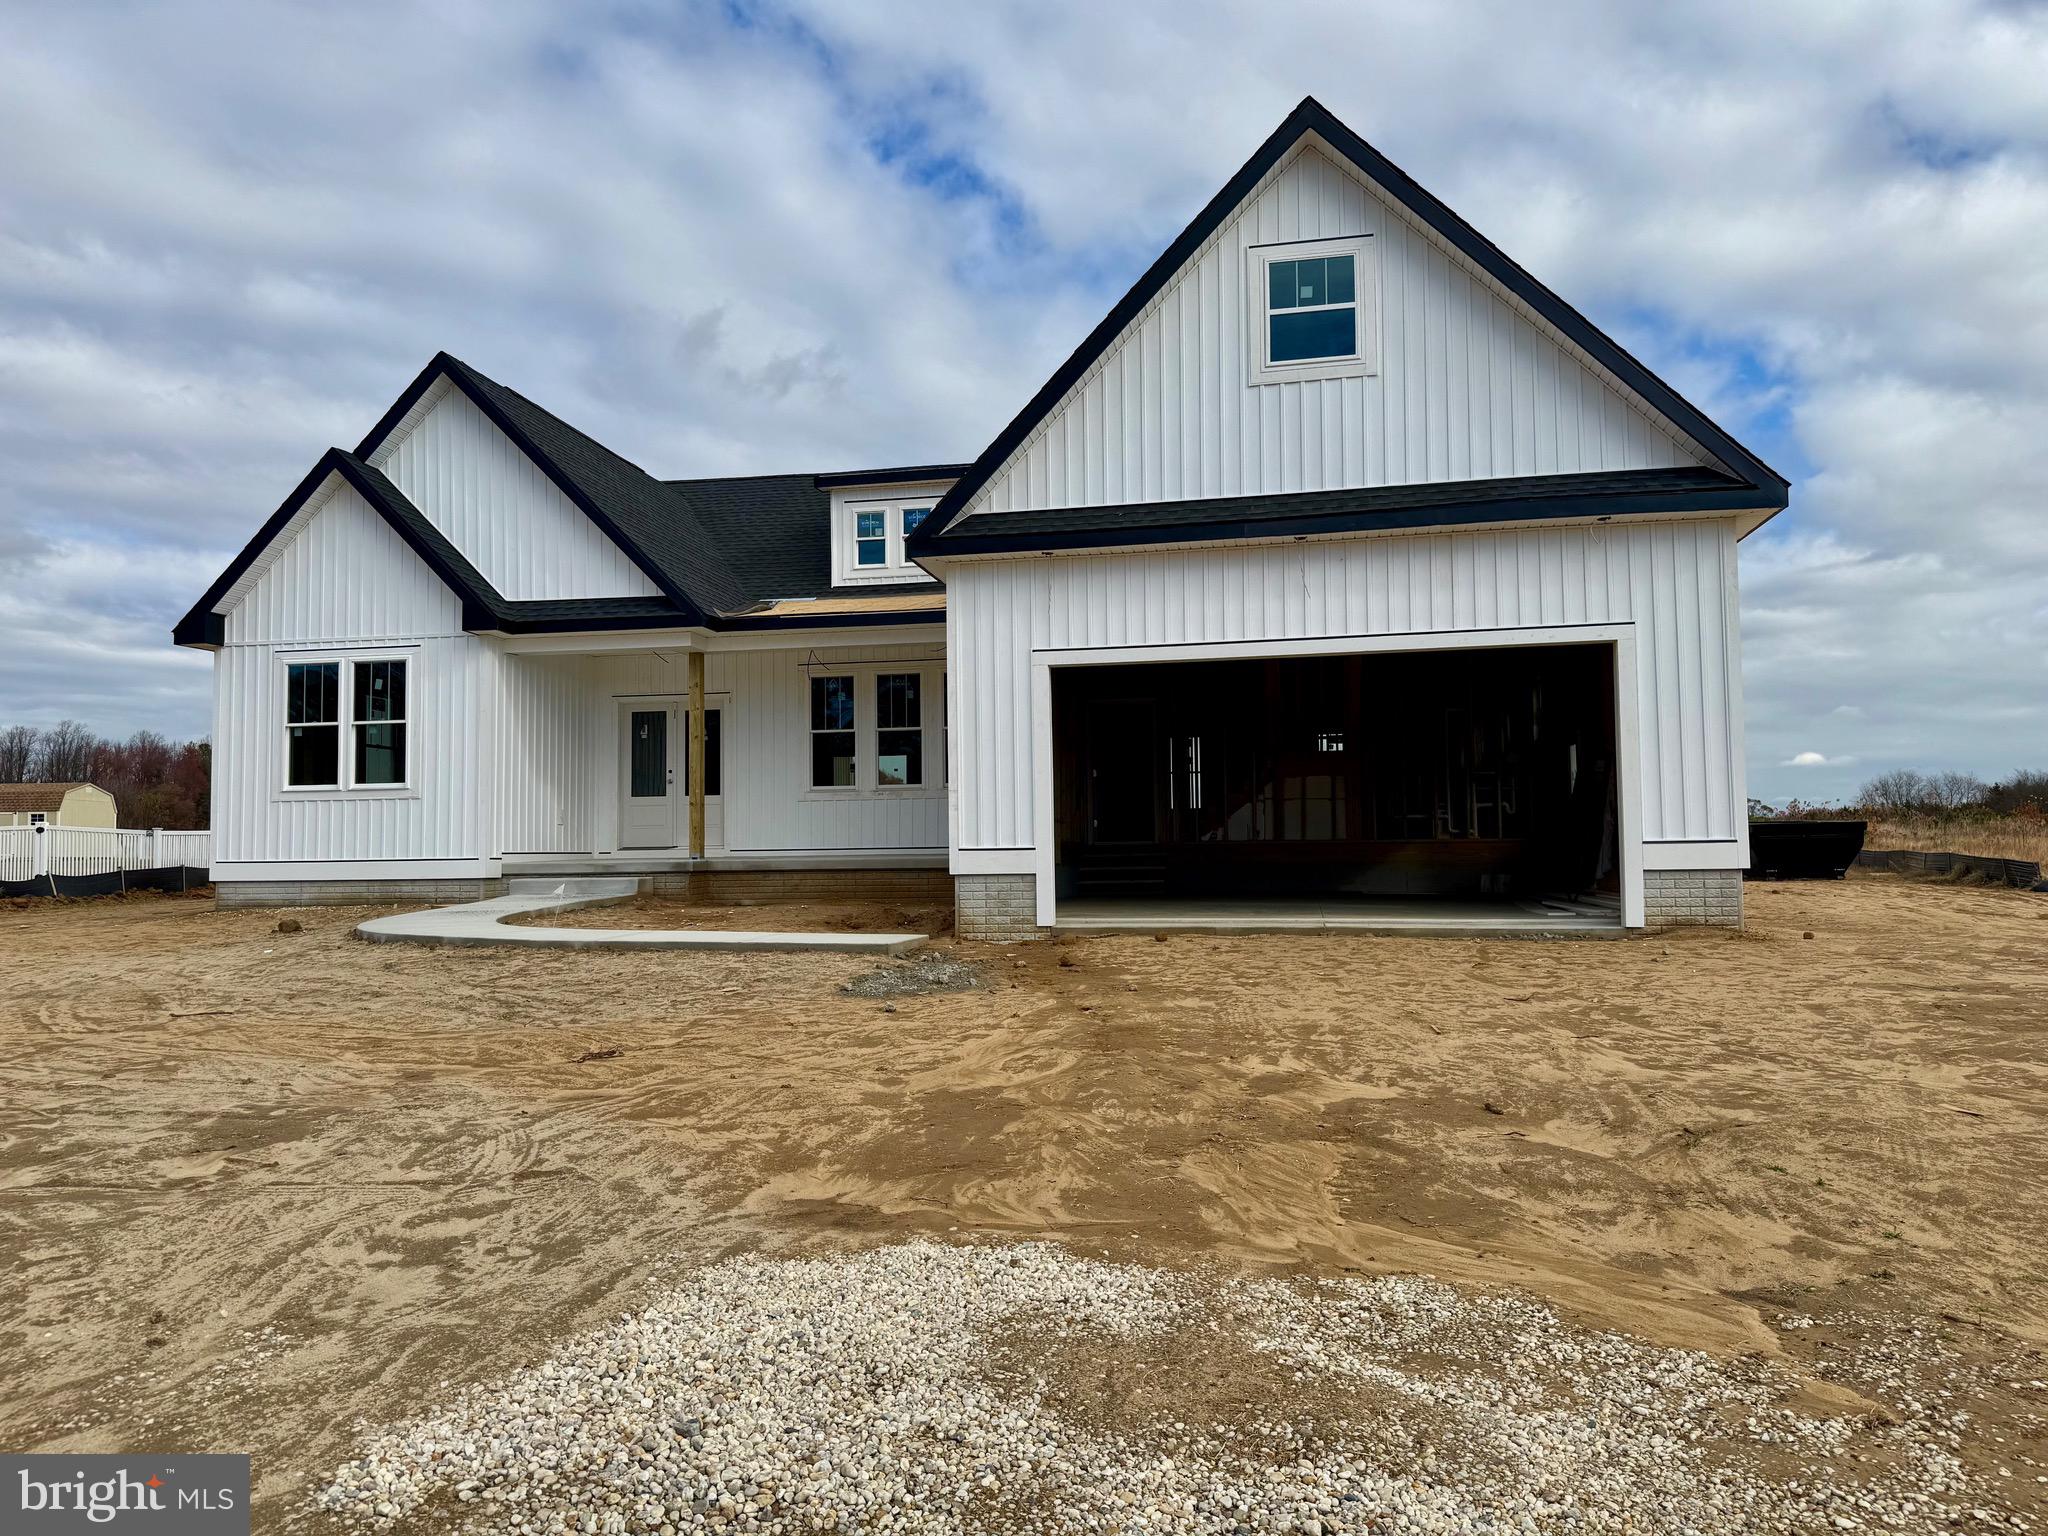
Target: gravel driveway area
<point x="938" y="1388"/>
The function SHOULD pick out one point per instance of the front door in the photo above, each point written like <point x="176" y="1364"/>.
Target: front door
<point x="654" y="799"/>
<point x="650" y="802"/>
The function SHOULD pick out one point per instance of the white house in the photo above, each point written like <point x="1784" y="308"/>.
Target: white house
<point x="1343" y="569"/>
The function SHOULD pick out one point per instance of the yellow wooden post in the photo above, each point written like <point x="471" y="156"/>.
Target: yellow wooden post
<point x="696" y="754"/>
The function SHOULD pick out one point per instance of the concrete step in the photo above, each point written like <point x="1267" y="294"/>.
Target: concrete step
<point x="576" y="886"/>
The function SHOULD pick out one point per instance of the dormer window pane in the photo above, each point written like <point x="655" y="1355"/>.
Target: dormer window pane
<point x="870" y="539"/>
<point x="912" y="516"/>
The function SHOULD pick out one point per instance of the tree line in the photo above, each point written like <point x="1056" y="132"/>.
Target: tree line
<point x="155" y="782"/>
<point x="1906" y="792"/>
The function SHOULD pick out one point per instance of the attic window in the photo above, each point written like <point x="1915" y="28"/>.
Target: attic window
<point x="869" y="536"/>
<point x="1313" y="310"/>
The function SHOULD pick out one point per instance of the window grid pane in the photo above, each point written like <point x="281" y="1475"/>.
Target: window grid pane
<point x="899" y="701"/>
<point x="312" y="689"/>
<point x="380" y="690"/>
<point x="831" y="703"/>
<point x="832" y="733"/>
<point x="380" y="753"/>
<point x="313" y="755"/>
<point x="899" y="758"/>
<point x="1312" y="334"/>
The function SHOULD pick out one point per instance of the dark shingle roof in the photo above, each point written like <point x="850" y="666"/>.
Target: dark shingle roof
<point x="657" y="526"/>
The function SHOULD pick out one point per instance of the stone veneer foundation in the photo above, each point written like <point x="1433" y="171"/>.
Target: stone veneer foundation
<point x="1709" y="898"/>
<point x="997" y="908"/>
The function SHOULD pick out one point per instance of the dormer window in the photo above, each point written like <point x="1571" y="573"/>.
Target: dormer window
<point x="868" y="530"/>
<point x="1314" y="310"/>
<point x="870" y="537"/>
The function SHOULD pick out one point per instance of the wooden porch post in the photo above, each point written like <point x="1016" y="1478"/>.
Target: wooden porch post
<point x="696" y="758"/>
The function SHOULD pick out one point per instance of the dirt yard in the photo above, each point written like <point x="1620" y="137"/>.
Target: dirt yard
<point x="788" y="916"/>
<point x="258" y="1190"/>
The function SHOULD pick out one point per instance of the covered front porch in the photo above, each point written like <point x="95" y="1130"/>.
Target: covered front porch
<point x="677" y="755"/>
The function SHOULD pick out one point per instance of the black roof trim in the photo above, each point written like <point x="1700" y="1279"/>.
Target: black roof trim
<point x="1302" y="514"/>
<point x="482" y="393"/>
<point x="1311" y="116"/>
<point x="202" y="626"/>
<point x="904" y="475"/>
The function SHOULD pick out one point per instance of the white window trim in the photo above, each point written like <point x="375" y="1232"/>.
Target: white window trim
<point x="865" y="729"/>
<point x="1363" y="362"/>
<point x="345" y="720"/>
<point x="892" y="502"/>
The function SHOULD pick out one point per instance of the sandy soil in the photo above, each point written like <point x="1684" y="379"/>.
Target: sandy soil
<point x="762" y="917"/>
<point x="255" y="1187"/>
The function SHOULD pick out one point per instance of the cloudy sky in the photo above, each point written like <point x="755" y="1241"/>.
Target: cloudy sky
<point x="754" y="236"/>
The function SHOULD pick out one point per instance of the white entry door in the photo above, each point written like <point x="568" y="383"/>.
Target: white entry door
<point x="651" y="798"/>
<point x="654" y="797"/>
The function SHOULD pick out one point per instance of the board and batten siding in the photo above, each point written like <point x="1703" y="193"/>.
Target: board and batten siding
<point x="344" y="581"/>
<point x="1469" y="385"/>
<point x="496" y="506"/>
<point x="1674" y="581"/>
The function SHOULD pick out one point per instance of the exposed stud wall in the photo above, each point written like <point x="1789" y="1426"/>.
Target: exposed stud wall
<point x="1470" y="385"/>
<point x="495" y="505"/>
<point x="1674" y="580"/>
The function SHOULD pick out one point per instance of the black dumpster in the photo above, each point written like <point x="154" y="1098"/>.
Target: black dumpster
<point x="1803" y="850"/>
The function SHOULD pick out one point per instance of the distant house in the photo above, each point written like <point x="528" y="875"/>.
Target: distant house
<point x="58" y="805"/>
<point x="1344" y="568"/>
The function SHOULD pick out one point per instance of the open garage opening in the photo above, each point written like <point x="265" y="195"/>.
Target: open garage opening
<point x="1472" y="787"/>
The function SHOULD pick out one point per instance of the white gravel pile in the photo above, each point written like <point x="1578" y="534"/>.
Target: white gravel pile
<point x="854" y="1394"/>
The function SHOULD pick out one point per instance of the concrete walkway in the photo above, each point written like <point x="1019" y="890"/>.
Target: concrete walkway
<point x="484" y="922"/>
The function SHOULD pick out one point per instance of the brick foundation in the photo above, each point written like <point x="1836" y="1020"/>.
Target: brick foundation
<point x="1710" y="898"/>
<point x="739" y="887"/>
<point x="1001" y="909"/>
<point x="349" y="893"/>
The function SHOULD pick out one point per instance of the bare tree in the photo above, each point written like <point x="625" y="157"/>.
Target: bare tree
<point x="17" y="752"/>
<point x="1958" y="791"/>
<point x="67" y="753"/>
<point x="1900" y="790"/>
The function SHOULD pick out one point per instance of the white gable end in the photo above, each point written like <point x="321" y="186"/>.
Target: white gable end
<point x="1466" y="384"/>
<point x="339" y="572"/>
<point x="496" y="506"/>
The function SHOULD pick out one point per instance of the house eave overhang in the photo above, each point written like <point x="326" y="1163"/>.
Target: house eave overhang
<point x="1733" y="500"/>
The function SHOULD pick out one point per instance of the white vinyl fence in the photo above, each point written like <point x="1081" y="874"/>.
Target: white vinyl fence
<point x="29" y="853"/>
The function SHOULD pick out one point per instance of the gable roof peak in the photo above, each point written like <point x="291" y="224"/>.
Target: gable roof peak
<point x="1311" y="116"/>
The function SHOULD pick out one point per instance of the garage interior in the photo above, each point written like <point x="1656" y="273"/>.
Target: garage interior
<point x="1456" y="788"/>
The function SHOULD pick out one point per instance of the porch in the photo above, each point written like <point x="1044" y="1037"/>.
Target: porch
<point x="789" y="758"/>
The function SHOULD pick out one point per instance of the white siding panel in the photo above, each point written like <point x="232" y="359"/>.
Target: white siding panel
<point x="1470" y="384"/>
<point x="547" y="790"/>
<point x="255" y="818"/>
<point x="495" y="505"/>
<point x="1668" y="579"/>
<point x="343" y="580"/>
<point x="342" y="574"/>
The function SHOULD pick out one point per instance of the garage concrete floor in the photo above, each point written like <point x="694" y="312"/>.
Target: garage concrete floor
<point x="1293" y="914"/>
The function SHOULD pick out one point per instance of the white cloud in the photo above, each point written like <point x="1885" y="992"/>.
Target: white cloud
<point x="836" y="234"/>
